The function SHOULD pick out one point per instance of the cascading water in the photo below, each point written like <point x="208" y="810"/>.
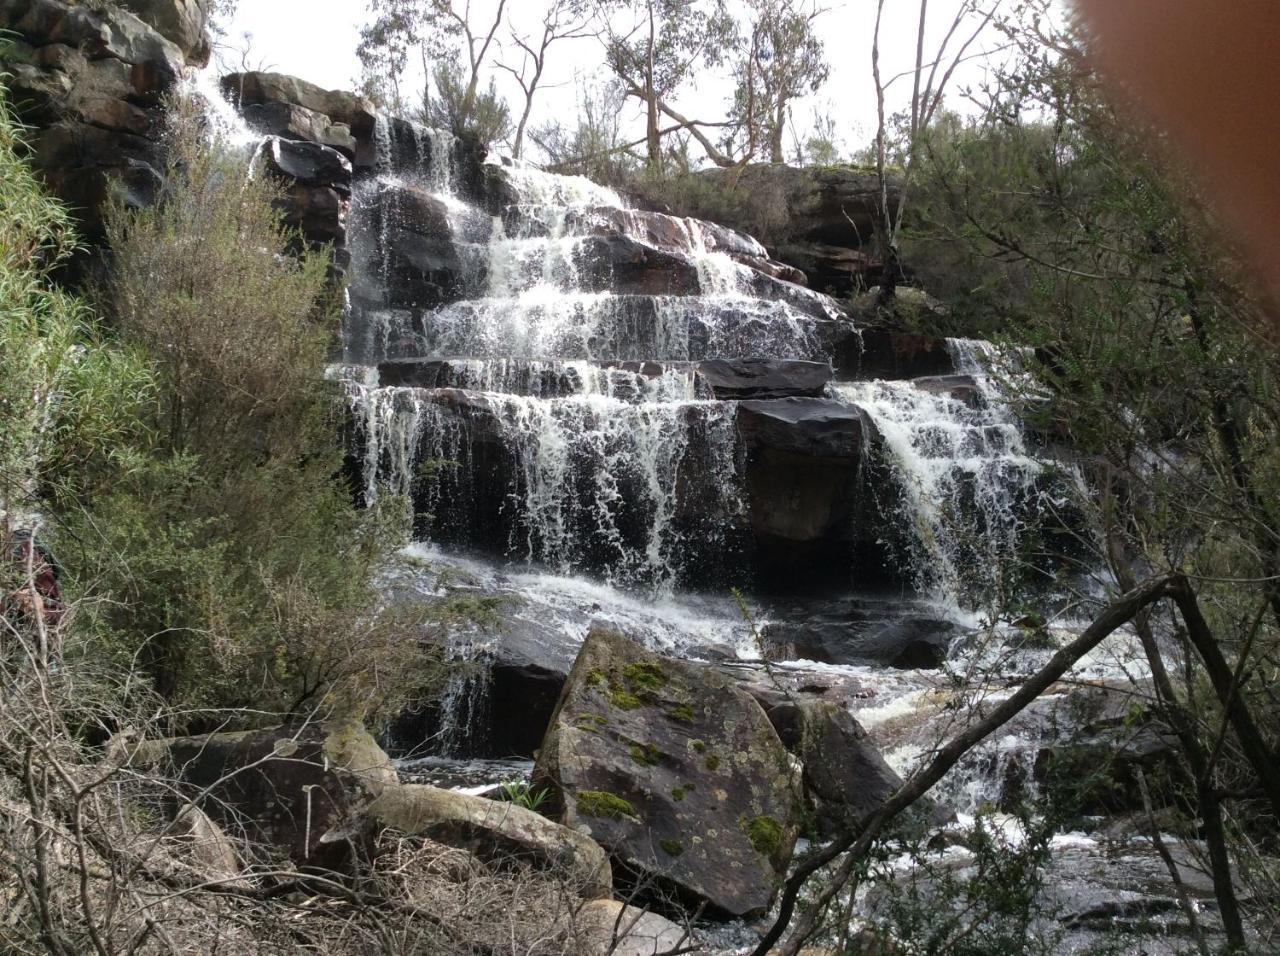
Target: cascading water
<point x="547" y="406"/>
<point x="971" y="485"/>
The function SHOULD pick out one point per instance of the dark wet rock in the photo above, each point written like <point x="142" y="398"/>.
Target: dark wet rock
<point x="288" y="786"/>
<point x="318" y="212"/>
<point x="309" y="164"/>
<point x="961" y="388"/>
<point x="256" y="88"/>
<point x="756" y="378"/>
<point x="416" y="251"/>
<point x="625" y="265"/>
<point x="494" y="831"/>
<point x="898" y="355"/>
<point x="844" y="773"/>
<point x="676" y="772"/>
<point x="860" y="629"/>
<point x="816" y="493"/>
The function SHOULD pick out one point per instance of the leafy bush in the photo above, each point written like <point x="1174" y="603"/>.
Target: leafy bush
<point x="65" y="398"/>
<point x="230" y="559"/>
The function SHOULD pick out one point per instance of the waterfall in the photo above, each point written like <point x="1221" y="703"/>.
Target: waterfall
<point x="971" y="485"/>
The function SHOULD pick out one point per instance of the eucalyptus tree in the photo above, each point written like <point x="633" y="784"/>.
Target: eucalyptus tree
<point x="563" y="20"/>
<point x="654" y="46"/>
<point x="453" y="46"/>
<point x="778" y="58"/>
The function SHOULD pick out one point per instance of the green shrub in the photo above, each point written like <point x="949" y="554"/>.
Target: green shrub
<point x="231" y="560"/>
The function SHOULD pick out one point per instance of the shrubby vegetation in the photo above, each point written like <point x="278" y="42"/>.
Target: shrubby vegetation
<point x="185" y="456"/>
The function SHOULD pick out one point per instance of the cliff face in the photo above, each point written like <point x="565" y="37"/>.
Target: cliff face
<point x="819" y="220"/>
<point x="90" y="84"/>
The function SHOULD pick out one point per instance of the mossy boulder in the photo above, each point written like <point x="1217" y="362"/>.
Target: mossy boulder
<point x="286" y="787"/>
<point x="495" y="831"/>
<point x="676" y="772"/>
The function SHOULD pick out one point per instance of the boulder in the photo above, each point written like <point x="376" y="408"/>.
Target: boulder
<point x="183" y="22"/>
<point x="676" y="772"/>
<point x="203" y="845"/>
<point x="286" y="786"/>
<point x="1099" y="766"/>
<point x="309" y="164"/>
<point x="755" y="378"/>
<point x="250" y="89"/>
<point x="494" y="831"/>
<point x="844" y="774"/>
<point x="299" y="123"/>
<point x="611" y="928"/>
<point x="858" y="630"/>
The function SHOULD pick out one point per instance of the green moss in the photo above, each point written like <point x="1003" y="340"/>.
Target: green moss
<point x="679" y="793"/>
<point x="682" y="713"/>
<point x="646" y="754"/>
<point x="589" y="721"/>
<point x="645" y="676"/>
<point x="594" y="678"/>
<point x="672" y="847"/>
<point x="624" y="700"/>
<point x="713" y="763"/>
<point x="765" y="834"/>
<point x="609" y="806"/>
<point x="699" y="746"/>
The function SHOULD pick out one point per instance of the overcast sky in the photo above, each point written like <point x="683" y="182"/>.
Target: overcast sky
<point x="316" y="40"/>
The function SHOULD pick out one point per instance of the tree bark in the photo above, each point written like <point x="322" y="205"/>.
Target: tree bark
<point x="1221" y="676"/>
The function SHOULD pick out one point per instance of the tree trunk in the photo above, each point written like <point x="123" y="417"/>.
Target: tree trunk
<point x="776" y="129"/>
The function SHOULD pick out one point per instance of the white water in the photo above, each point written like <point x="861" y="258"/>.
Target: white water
<point x="969" y="479"/>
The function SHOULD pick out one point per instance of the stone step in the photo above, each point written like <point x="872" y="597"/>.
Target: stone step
<point x="726" y="379"/>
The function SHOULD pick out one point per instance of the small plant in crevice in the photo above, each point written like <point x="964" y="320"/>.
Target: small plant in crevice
<point x="523" y="794"/>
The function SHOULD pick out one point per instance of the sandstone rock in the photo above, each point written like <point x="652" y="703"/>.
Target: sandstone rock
<point x="844" y="773"/>
<point x="819" y="220"/>
<point x="492" y="830"/>
<point x="183" y="22"/>
<point x="962" y="388"/>
<point x="755" y="378"/>
<point x="348" y="109"/>
<point x="318" y="212"/>
<point x="298" y="123"/>
<point x="205" y="847"/>
<point x="611" y="928"/>
<point x="109" y="32"/>
<point x="287" y="786"/>
<point x="677" y="773"/>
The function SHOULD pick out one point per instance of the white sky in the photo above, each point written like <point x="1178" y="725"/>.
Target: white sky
<point x="316" y="40"/>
